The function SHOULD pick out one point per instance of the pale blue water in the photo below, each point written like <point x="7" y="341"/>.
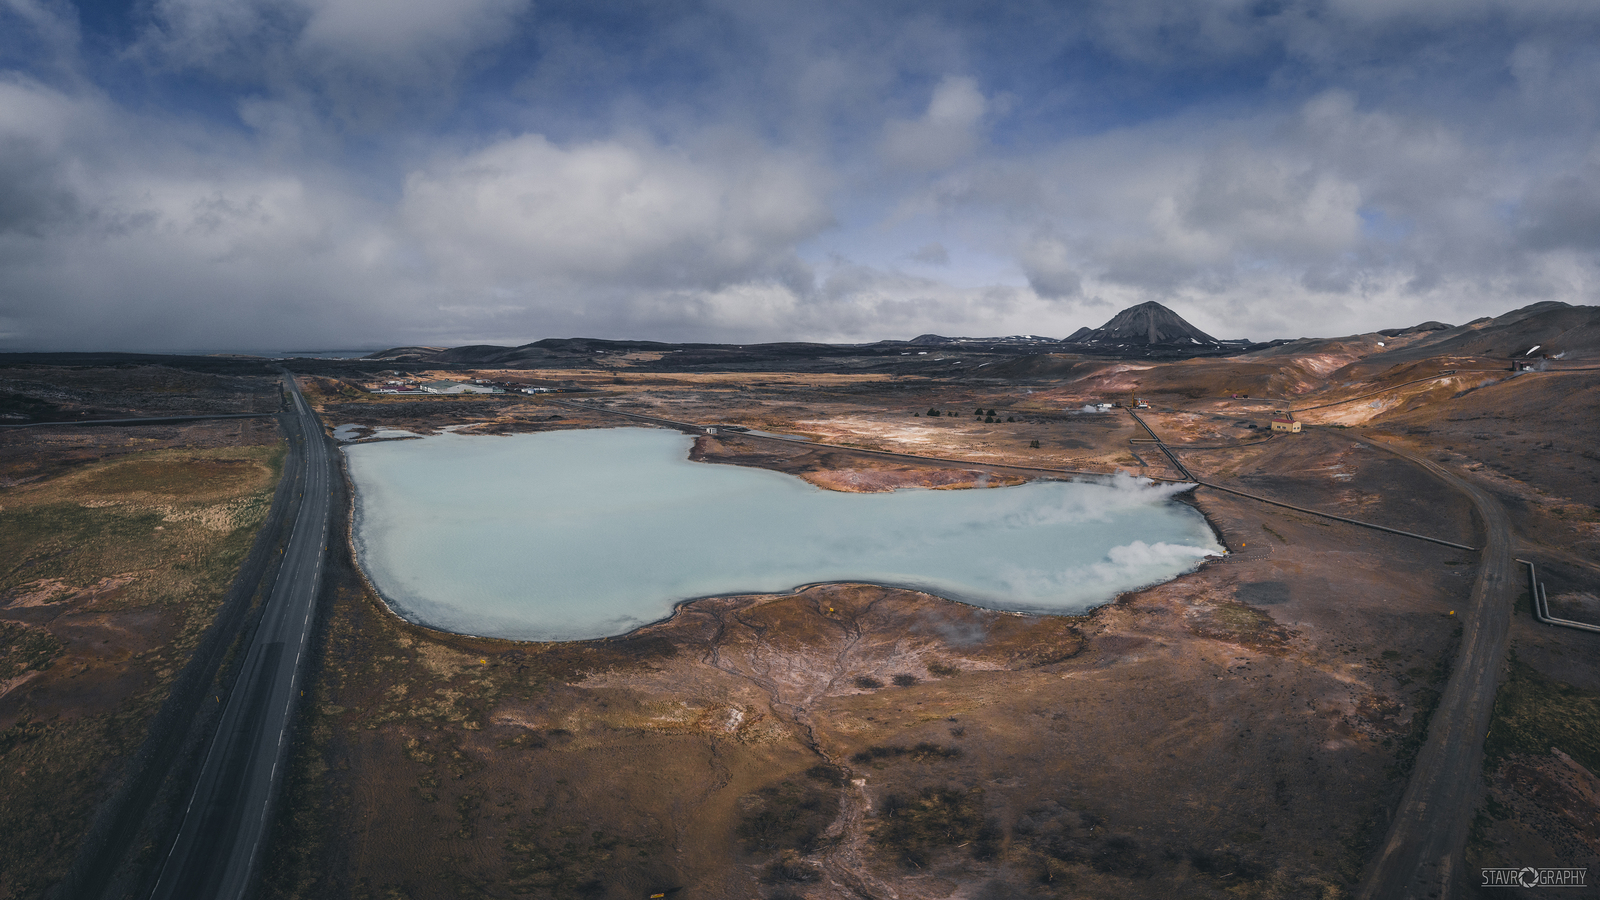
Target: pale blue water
<point x="583" y="534"/>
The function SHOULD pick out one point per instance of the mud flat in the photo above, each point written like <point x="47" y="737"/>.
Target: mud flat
<point x="591" y="533"/>
<point x="1241" y="731"/>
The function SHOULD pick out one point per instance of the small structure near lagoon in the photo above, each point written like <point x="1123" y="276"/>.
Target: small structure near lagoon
<point x="458" y="387"/>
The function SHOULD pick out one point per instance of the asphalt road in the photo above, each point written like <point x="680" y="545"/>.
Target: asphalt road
<point x="1422" y="855"/>
<point x="217" y="853"/>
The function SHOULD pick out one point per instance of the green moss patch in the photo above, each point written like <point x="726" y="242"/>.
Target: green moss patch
<point x="790" y="815"/>
<point x="922" y="752"/>
<point x="1533" y="713"/>
<point x="914" y="828"/>
<point x="24" y="649"/>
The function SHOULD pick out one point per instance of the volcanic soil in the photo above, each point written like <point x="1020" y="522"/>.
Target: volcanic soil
<point x="119" y="543"/>
<point x="1245" y="730"/>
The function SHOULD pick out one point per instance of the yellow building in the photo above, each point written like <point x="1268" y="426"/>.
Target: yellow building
<point x="1285" y="424"/>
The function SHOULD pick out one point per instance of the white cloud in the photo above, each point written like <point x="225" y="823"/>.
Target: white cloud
<point x="1049" y="266"/>
<point x="114" y="233"/>
<point x="612" y="213"/>
<point x="220" y="36"/>
<point x="368" y="60"/>
<point x="166" y="261"/>
<point x="947" y="132"/>
<point x="1265" y="203"/>
<point x="36" y="123"/>
<point x="392" y="33"/>
<point x="1324" y="218"/>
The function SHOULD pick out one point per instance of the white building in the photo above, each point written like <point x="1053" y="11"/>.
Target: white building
<point x="458" y="387"/>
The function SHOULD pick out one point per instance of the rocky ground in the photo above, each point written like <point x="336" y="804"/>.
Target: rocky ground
<point x="1242" y="731"/>
<point x="119" y="544"/>
<point x="853" y="738"/>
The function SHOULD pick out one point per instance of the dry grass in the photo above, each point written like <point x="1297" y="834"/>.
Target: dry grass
<point x="112" y="572"/>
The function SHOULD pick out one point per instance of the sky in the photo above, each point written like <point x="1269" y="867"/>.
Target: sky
<point x="321" y="174"/>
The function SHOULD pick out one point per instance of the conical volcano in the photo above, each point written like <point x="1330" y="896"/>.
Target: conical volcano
<point x="1148" y="324"/>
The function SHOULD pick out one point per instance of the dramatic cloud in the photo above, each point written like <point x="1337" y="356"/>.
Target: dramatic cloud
<point x="1564" y="212"/>
<point x="359" y="56"/>
<point x="612" y="214"/>
<point x="1049" y="266"/>
<point x="257" y="173"/>
<point x="946" y="133"/>
<point x="35" y="181"/>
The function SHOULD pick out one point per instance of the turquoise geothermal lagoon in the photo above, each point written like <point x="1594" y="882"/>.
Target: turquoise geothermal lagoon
<point x="583" y="534"/>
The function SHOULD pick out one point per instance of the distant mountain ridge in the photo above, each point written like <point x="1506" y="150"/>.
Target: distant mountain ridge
<point x="939" y="339"/>
<point x="1547" y="329"/>
<point x="1148" y="324"/>
<point x="1146" y="331"/>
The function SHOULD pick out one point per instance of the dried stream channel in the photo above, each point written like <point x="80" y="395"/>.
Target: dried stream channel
<point x="589" y="533"/>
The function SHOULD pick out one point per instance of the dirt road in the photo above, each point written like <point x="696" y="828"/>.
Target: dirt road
<point x="1422" y="854"/>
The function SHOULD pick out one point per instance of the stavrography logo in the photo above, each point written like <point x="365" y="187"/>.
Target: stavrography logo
<point x="1530" y="877"/>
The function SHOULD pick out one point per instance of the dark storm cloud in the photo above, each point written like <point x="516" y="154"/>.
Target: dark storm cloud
<point x="34" y="195"/>
<point x="1564" y="212"/>
<point x="255" y="172"/>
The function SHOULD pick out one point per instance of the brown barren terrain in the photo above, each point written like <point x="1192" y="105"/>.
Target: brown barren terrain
<point x="119" y="544"/>
<point x="1246" y="730"/>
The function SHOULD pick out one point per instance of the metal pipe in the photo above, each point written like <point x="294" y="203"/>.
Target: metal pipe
<point x="1541" y="603"/>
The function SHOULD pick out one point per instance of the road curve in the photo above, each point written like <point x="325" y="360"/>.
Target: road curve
<point x="225" y="826"/>
<point x="1421" y="856"/>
